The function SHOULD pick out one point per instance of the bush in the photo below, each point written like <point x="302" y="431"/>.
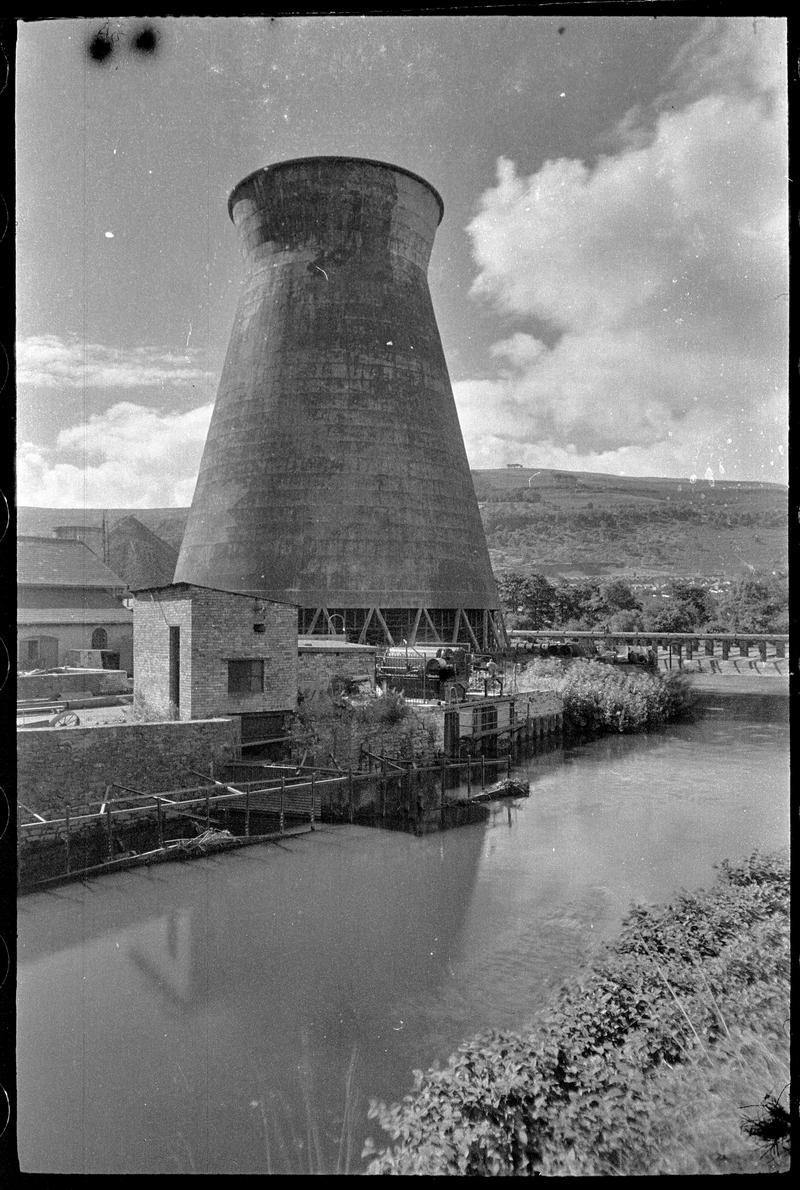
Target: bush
<point x="390" y="708"/>
<point x="643" y="1067"/>
<point x="599" y="698"/>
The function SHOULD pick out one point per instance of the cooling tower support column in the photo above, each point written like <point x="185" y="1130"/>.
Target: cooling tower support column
<point x="334" y="474"/>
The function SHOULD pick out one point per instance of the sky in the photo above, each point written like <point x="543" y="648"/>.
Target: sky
<point x="610" y="278"/>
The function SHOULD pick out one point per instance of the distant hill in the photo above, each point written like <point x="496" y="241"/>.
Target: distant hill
<point x="582" y="523"/>
<point x="575" y="523"/>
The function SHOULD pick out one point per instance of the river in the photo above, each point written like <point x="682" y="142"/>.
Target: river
<point x="237" y="1013"/>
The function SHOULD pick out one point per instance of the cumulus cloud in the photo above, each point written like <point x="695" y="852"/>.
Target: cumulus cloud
<point x="649" y="288"/>
<point x="130" y="455"/>
<point x="49" y="361"/>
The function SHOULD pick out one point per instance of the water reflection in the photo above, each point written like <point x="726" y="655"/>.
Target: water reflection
<point x="236" y="1014"/>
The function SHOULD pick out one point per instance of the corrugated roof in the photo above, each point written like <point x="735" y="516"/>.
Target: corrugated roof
<point x="56" y="562"/>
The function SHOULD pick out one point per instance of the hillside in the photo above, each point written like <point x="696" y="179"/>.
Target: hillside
<point x="583" y="524"/>
<point x="572" y="523"/>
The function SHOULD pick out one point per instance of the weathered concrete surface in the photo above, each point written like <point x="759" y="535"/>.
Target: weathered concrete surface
<point x="334" y="472"/>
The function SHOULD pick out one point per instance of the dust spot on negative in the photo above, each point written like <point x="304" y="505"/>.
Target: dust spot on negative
<point x="101" y="46"/>
<point x="145" y="40"/>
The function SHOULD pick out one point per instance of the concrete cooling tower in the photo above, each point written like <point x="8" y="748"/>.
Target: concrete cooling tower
<point x="334" y="474"/>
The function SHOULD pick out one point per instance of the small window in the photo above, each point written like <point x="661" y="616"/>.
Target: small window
<point x="245" y="677"/>
<point x="99" y="639"/>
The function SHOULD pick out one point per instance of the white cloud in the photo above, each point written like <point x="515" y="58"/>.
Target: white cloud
<point x="48" y="361"/>
<point x="659" y="276"/>
<point x="128" y="456"/>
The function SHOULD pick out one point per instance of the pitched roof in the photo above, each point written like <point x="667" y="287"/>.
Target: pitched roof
<point x="74" y="615"/>
<point x="29" y="598"/>
<point x="57" y="562"/>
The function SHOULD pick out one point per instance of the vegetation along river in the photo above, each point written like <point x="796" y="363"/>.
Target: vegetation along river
<point x="237" y="1013"/>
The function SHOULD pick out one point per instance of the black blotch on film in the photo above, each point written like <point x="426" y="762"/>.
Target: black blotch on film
<point x="102" y="45"/>
<point x="146" y="40"/>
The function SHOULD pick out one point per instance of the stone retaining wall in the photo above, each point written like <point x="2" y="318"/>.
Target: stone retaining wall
<point x="72" y="683"/>
<point x="73" y="765"/>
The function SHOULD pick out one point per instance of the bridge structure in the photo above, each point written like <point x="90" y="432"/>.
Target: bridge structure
<point x="675" y="649"/>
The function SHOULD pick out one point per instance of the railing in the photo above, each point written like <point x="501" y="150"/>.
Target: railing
<point x="279" y="794"/>
<point x="677" y="642"/>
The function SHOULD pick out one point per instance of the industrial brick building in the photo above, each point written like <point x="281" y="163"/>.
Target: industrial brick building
<point x="68" y="599"/>
<point x="201" y="653"/>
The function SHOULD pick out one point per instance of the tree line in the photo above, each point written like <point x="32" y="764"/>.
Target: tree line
<point x="756" y="603"/>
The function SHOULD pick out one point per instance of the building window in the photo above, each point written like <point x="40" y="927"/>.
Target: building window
<point x="245" y="677"/>
<point x="99" y="639"/>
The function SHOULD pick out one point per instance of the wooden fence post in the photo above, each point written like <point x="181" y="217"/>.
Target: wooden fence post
<point x="160" y="822"/>
<point x="110" y="839"/>
<point x="67" y="838"/>
<point x="283" y="790"/>
<point x="351" y="807"/>
<point x="247" y="812"/>
<point x="483" y="771"/>
<point x="312" y="801"/>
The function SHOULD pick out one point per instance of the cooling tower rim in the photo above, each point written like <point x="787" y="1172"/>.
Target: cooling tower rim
<point x="398" y="169"/>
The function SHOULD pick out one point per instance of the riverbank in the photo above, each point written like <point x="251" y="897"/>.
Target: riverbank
<point x="670" y="1056"/>
<point x="600" y="698"/>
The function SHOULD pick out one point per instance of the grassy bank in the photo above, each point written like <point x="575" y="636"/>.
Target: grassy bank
<point x="600" y="698"/>
<point x="671" y="1055"/>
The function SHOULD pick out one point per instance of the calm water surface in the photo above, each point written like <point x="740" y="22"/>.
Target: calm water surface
<point x="236" y="1014"/>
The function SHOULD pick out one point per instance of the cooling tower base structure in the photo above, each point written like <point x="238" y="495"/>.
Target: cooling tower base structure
<point x="334" y="475"/>
<point x="475" y="628"/>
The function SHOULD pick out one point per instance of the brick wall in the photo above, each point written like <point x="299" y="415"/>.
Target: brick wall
<point x="154" y="613"/>
<point x="215" y="627"/>
<point x="222" y="629"/>
<point x="73" y="766"/>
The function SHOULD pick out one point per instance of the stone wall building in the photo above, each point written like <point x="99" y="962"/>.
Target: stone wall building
<point x="201" y="653"/>
<point x="333" y="665"/>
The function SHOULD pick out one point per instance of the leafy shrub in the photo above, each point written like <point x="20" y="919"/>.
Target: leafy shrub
<point x="390" y="708"/>
<point x="599" y="698"/>
<point x="689" y="1003"/>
